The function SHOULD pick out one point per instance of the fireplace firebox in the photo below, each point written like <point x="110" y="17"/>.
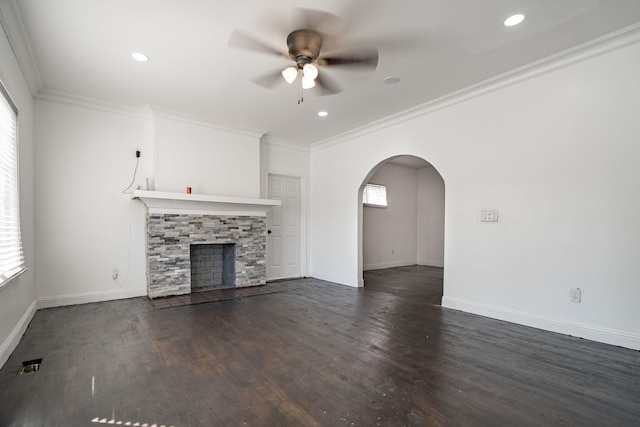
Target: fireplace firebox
<point x="213" y="266"/>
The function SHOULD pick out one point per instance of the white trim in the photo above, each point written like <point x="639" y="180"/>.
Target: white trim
<point x="92" y="103"/>
<point x="431" y="263"/>
<point x="269" y="140"/>
<point x="593" y="48"/>
<point x="277" y="279"/>
<point x="337" y="280"/>
<point x="141" y="112"/>
<point x="12" y="341"/>
<point x="203" y="121"/>
<point x="12" y="263"/>
<point x="590" y="332"/>
<point x="200" y="204"/>
<point x="388" y="264"/>
<point x="89" y="297"/>
<point x="8" y="280"/>
<point x="179" y="211"/>
<point x="13" y="25"/>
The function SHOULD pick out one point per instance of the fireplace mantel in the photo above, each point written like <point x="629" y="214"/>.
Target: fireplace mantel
<point x="200" y="204"/>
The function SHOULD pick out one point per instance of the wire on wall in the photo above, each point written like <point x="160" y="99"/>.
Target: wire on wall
<point x="133" y="180"/>
<point x="126" y="273"/>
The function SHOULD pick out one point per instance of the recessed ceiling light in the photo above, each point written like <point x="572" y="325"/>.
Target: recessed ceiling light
<point x="139" y="56"/>
<point x="391" y="80"/>
<point x="323" y="113"/>
<point x="514" y="20"/>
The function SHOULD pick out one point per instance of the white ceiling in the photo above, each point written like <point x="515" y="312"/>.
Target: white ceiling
<point x="81" y="48"/>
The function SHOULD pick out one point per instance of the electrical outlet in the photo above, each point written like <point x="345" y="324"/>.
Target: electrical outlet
<point x="575" y="295"/>
<point x="114" y="273"/>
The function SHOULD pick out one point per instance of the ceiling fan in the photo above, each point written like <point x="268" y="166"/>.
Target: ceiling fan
<point x="304" y="49"/>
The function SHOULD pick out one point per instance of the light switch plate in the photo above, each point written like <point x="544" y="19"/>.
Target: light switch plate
<point x="487" y="215"/>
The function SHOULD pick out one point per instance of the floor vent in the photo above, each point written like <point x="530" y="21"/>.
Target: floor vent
<point x="29" y="366"/>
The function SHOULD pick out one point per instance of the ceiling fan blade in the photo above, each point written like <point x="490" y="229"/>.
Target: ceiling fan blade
<point x="241" y="40"/>
<point x="363" y="59"/>
<point x="354" y="13"/>
<point x="270" y="80"/>
<point x="327" y="85"/>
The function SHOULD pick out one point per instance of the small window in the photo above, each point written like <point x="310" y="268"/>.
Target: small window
<point x="11" y="257"/>
<point x="375" y="195"/>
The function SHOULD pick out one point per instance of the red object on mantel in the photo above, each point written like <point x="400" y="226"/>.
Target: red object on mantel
<point x="188" y="190"/>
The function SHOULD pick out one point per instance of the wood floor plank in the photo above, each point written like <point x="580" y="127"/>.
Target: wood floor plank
<point x="313" y="354"/>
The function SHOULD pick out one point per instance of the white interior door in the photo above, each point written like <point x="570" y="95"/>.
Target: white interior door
<point x="283" y="223"/>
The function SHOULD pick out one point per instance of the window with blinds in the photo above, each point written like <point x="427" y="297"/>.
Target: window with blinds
<point x="375" y="195"/>
<point x="11" y="256"/>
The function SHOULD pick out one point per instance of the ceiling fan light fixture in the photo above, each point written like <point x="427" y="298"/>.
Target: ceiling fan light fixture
<point x="290" y="74"/>
<point x="310" y="71"/>
<point x="307" y="83"/>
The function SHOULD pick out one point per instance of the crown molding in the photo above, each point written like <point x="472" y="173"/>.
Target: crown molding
<point x="139" y="112"/>
<point x="92" y="103"/>
<point x="13" y="27"/>
<point x="267" y="139"/>
<point x="608" y="43"/>
<point x="202" y="121"/>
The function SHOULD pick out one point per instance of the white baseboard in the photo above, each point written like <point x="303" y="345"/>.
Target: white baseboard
<point x="388" y="264"/>
<point x="337" y="280"/>
<point x="590" y="332"/>
<point x="15" y="336"/>
<point x="89" y="297"/>
<point x="431" y="263"/>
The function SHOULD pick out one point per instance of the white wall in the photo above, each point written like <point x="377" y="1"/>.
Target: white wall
<point x="18" y="298"/>
<point x="85" y="157"/>
<point x="280" y="159"/>
<point x="557" y="155"/>
<point x="86" y="227"/>
<point x="389" y="237"/>
<point x="430" y="227"/>
<point x="208" y="159"/>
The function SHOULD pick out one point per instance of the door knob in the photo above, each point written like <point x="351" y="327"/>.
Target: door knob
<point x="268" y="231"/>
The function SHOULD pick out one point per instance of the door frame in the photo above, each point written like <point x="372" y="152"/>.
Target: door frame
<point x="304" y="230"/>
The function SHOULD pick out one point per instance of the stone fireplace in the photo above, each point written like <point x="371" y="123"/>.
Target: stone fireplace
<point x="184" y="232"/>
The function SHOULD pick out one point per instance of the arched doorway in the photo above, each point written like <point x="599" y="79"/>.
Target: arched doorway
<point x="401" y="244"/>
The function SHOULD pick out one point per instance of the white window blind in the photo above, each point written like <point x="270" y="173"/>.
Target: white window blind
<point x="375" y="195"/>
<point x="11" y="256"/>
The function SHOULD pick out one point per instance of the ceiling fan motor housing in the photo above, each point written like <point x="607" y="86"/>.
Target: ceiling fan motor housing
<point x="304" y="46"/>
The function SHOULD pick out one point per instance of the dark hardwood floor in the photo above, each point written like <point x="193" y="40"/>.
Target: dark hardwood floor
<point x="313" y="354"/>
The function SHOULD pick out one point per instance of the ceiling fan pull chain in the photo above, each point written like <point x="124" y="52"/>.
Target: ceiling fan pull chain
<point x="301" y="96"/>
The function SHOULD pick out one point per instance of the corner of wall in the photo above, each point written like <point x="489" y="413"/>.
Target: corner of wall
<point x="338" y="280"/>
<point x="12" y="341"/>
